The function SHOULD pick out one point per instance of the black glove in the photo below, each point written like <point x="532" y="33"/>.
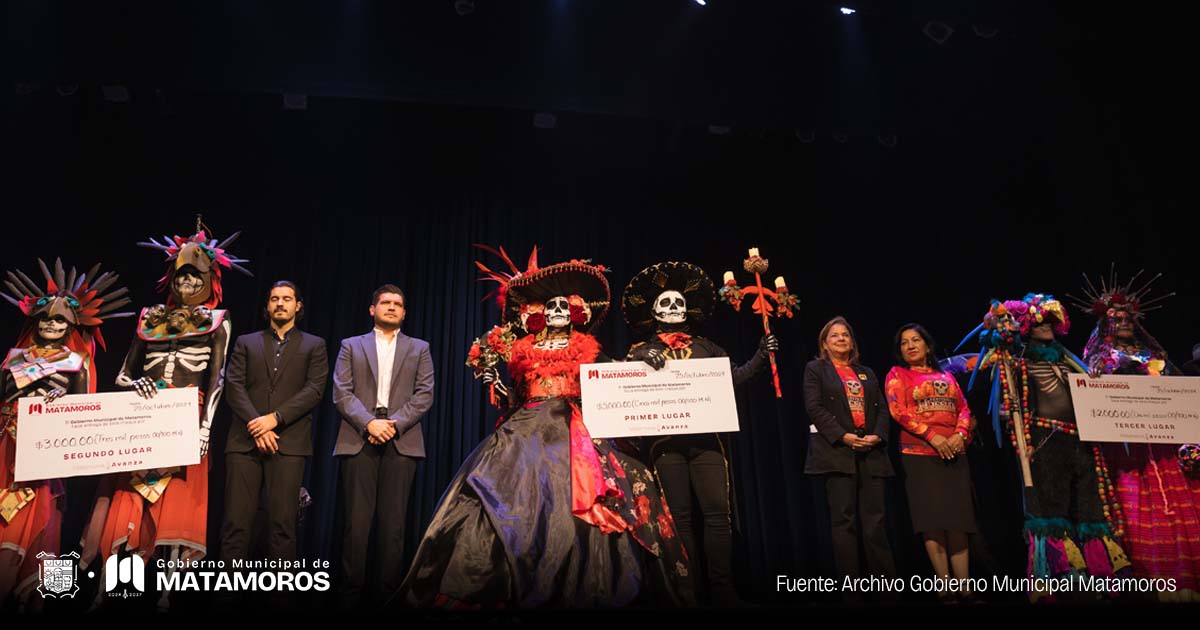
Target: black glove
<point x="651" y="356"/>
<point x="768" y="343"/>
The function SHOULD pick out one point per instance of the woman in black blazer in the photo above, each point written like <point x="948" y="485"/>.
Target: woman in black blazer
<point x="851" y="423"/>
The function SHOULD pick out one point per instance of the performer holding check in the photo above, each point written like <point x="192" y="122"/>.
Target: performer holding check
<point x="695" y="396"/>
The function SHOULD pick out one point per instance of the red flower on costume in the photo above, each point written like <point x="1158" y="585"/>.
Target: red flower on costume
<point x="536" y="323"/>
<point x="665" y="526"/>
<point x="642" y="510"/>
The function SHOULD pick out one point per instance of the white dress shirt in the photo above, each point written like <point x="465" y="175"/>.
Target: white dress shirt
<point x="385" y="351"/>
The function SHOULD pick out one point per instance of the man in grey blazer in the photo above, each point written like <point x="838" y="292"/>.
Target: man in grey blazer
<point x="382" y="386"/>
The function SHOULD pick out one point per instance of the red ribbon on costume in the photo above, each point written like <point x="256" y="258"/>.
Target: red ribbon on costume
<point x="588" y="486"/>
<point x="676" y="340"/>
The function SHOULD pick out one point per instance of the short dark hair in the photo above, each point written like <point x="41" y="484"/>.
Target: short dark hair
<point x="295" y="290"/>
<point x="822" y="353"/>
<point x="930" y="357"/>
<point x="388" y="288"/>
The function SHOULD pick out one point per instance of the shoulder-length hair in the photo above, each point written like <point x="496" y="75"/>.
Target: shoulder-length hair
<point x="822" y="353"/>
<point x="930" y="357"/>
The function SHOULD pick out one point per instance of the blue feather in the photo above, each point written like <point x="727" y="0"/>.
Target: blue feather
<point x="1076" y="360"/>
<point x="994" y="404"/>
<point x="971" y="334"/>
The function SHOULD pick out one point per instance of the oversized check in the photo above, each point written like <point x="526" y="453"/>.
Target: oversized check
<point x="631" y="399"/>
<point x="90" y="434"/>
<point x="1158" y="409"/>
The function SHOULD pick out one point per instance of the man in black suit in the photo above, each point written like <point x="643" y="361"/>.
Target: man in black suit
<point x="382" y="387"/>
<point x="275" y="379"/>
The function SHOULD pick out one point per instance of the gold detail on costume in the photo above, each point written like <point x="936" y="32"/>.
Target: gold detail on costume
<point x="1116" y="554"/>
<point x="678" y="354"/>
<point x="660" y="279"/>
<point x="1074" y="555"/>
<point x="635" y="300"/>
<point x="151" y="484"/>
<point x="12" y="500"/>
<point x="692" y="285"/>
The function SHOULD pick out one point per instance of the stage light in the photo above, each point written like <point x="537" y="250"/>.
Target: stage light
<point x="701" y="2"/>
<point x="938" y="31"/>
<point x="847" y="11"/>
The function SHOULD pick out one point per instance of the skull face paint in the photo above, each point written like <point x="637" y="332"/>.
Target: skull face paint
<point x="189" y="286"/>
<point x="670" y="307"/>
<point x="558" y="312"/>
<point x="1122" y="323"/>
<point x="53" y="329"/>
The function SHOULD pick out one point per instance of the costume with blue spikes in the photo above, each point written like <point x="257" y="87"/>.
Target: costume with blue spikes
<point x="1071" y="520"/>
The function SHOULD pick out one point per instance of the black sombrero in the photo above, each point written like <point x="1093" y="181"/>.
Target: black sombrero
<point x="637" y="303"/>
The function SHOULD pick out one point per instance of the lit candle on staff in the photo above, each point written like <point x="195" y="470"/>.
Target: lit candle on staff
<point x="754" y="252"/>
<point x="780" y="285"/>
<point x="728" y="278"/>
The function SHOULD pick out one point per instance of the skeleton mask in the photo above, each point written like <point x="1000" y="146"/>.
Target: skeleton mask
<point x="1122" y="322"/>
<point x="670" y="307"/>
<point x="941" y="387"/>
<point x="190" y="286"/>
<point x="558" y="312"/>
<point x="854" y="387"/>
<point x="155" y="316"/>
<point x="178" y="320"/>
<point x="53" y="329"/>
<point x="202" y="316"/>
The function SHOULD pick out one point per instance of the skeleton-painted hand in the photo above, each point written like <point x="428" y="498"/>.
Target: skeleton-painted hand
<point x="54" y="394"/>
<point x="145" y="387"/>
<point x="492" y="377"/>
<point x="203" y="441"/>
<point x="769" y="343"/>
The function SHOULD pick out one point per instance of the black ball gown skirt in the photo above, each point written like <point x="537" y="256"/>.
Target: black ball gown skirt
<point x="504" y="534"/>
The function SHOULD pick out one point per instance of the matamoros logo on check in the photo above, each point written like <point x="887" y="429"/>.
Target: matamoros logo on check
<point x="37" y="408"/>
<point x="632" y="399"/>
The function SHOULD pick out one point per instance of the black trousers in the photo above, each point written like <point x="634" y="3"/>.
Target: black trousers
<point x="856" y="509"/>
<point x="375" y="481"/>
<point x="694" y="465"/>
<point x="253" y="479"/>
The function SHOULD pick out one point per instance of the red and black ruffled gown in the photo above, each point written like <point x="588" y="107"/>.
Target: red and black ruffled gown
<point x="542" y="515"/>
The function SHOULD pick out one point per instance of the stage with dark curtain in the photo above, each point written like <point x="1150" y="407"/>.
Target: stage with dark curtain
<point x="1016" y="176"/>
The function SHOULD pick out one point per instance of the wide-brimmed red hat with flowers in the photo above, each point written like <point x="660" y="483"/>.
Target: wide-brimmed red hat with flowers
<point x="522" y="294"/>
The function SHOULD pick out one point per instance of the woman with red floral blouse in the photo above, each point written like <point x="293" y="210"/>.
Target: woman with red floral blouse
<point x="937" y="425"/>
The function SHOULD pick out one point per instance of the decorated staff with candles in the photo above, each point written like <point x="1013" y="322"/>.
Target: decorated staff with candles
<point x="785" y="302"/>
<point x="664" y="303"/>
